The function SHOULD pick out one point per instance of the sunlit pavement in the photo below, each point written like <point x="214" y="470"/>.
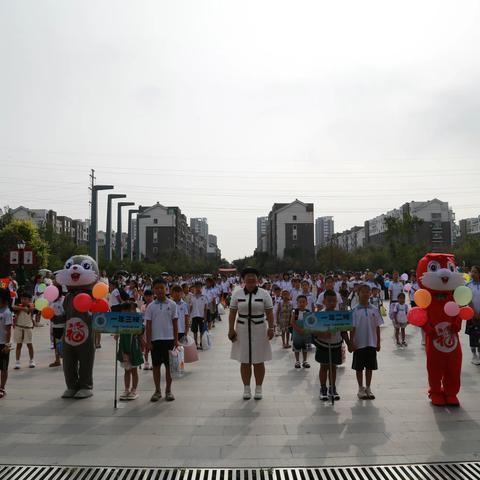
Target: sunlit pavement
<point x="209" y="425"/>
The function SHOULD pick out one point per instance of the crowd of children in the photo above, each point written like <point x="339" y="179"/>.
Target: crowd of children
<point x="173" y="307"/>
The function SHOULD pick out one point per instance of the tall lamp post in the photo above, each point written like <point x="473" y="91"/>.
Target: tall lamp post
<point x="108" y="235"/>
<point x="118" y="246"/>
<point x="130" y="233"/>
<point x="137" y="240"/>
<point x="93" y="250"/>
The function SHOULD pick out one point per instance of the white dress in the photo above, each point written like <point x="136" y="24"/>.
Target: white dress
<point x="252" y="344"/>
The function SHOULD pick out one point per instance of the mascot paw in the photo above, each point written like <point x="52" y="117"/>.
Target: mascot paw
<point x="438" y="399"/>
<point x="452" y="400"/>
<point x="69" y="393"/>
<point x="83" y="394"/>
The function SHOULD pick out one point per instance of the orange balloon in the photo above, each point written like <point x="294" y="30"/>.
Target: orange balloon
<point x="100" y="290"/>
<point x="48" y="313"/>
<point x="422" y="298"/>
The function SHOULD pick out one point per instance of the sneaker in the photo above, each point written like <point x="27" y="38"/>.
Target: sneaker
<point x="399" y="344"/>
<point x="258" y="393"/>
<point x="124" y="396"/>
<point x="133" y="395"/>
<point x="17" y="366"/>
<point x="31" y="364"/>
<point x="369" y="394"/>
<point x="169" y="397"/>
<point x="332" y="392"/>
<point x="404" y="344"/>
<point x="156" y="396"/>
<point x="476" y="360"/>
<point x="146" y="366"/>
<point x="323" y="393"/>
<point x="297" y="365"/>
<point x="247" y="393"/>
<point x="305" y="365"/>
<point x="362" y="394"/>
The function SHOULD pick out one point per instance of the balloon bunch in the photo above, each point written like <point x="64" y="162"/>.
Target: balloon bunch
<point x="83" y="302"/>
<point x="50" y="294"/>
<point x="462" y="295"/>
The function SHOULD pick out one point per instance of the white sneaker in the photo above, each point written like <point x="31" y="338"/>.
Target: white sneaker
<point x="146" y="366"/>
<point x="476" y="360"/>
<point x="369" y="394"/>
<point x="258" y="392"/>
<point x="362" y="394"/>
<point x="247" y="393"/>
<point x="32" y="364"/>
<point x="17" y="366"/>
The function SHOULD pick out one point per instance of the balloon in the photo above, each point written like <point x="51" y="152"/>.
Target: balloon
<point x="99" y="305"/>
<point x="417" y="316"/>
<point x="463" y="295"/>
<point x="82" y="302"/>
<point x="51" y="293"/>
<point x="41" y="303"/>
<point x="466" y="277"/>
<point x="466" y="313"/>
<point x="48" y="313"/>
<point x="422" y="298"/>
<point x="42" y="287"/>
<point x="451" y="309"/>
<point x="100" y="290"/>
<point x="404" y="277"/>
<point x="407" y="287"/>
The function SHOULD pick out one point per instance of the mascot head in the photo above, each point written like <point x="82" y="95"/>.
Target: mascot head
<point x="79" y="271"/>
<point x="437" y="272"/>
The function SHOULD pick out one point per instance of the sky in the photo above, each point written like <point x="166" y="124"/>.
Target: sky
<point x="224" y="108"/>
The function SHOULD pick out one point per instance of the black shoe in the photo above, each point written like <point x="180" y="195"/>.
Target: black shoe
<point x="332" y="392"/>
<point x="323" y="394"/>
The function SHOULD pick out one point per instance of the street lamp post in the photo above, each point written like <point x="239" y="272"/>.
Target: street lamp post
<point x="118" y="246"/>
<point x="94" y="219"/>
<point x="137" y="240"/>
<point x="130" y="233"/>
<point x="108" y="235"/>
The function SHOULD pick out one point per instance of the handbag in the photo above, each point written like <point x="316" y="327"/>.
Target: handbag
<point x="383" y="311"/>
<point x="206" y="340"/>
<point x="177" y="362"/>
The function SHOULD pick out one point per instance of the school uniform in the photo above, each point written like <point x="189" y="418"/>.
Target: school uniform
<point x="198" y="304"/>
<point x="394" y="290"/>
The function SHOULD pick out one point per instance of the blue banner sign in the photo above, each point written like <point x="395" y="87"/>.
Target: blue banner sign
<point x="118" y="322"/>
<point x="331" y="321"/>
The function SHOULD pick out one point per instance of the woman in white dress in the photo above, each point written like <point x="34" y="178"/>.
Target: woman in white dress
<point x="251" y="331"/>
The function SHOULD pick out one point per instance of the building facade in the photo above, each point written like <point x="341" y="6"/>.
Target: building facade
<point x="199" y="226"/>
<point x="290" y="229"/>
<point x="324" y="230"/>
<point x="262" y="225"/>
<point x="469" y="227"/>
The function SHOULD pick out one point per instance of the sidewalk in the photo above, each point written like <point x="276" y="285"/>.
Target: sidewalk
<point x="209" y="425"/>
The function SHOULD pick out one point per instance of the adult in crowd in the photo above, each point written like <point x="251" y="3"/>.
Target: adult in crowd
<point x="251" y="330"/>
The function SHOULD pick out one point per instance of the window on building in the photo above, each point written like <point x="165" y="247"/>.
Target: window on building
<point x="436" y="216"/>
<point x="294" y="218"/>
<point x="155" y="250"/>
<point x="294" y="232"/>
<point x="155" y="235"/>
<point x="155" y="221"/>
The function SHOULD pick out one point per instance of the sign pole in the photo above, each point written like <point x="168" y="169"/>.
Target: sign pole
<point x="116" y="371"/>
<point x="331" y="370"/>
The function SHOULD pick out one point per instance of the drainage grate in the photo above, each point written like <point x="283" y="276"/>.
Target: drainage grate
<point x="429" y="471"/>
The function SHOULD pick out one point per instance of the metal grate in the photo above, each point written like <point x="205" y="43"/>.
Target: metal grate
<point x="429" y="471"/>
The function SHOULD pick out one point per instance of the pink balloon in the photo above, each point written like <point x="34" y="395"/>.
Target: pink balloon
<point x="417" y="316"/>
<point x="451" y="309"/>
<point x="407" y="287"/>
<point x="51" y="293"/>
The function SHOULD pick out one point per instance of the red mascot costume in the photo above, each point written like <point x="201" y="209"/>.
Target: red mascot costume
<point x="436" y="273"/>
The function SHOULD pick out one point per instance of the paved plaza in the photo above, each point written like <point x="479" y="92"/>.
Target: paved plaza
<point x="209" y="425"/>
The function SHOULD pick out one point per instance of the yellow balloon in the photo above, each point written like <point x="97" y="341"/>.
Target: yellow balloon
<point x="422" y="298"/>
<point x="100" y="290"/>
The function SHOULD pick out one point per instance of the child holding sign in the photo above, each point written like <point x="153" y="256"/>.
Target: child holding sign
<point x="130" y="357"/>
<point x="300" y="339"/>
<point x="329" y="360"/>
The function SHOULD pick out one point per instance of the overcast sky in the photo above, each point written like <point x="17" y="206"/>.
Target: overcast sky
<point x="224" y="108"/>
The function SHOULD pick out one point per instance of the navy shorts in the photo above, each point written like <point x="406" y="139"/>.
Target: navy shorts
<point x="365" y="359"/>
<point x="160" y="352"/>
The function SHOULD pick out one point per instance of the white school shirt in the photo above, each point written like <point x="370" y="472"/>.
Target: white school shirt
<point x="395" y="289"/>
<point x="475" y="288"/>
<point x="198" y="304"/>
<point x="401" y="311"/>
<point x="294" y="293"/>
<point x="321" y="297"/>
<point x="411" y="293"/>
<point x="112" y="298"/>
<point x="5" y="320"/>
<point x="162" y="314"/>
<point x="310" y="302"/>
<point x="182" y="311"/>
<point x="366" y="320"/>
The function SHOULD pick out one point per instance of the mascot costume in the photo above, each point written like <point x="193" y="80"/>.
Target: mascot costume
<point x="79" y="275"/>
<point x="438" y="312"/>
